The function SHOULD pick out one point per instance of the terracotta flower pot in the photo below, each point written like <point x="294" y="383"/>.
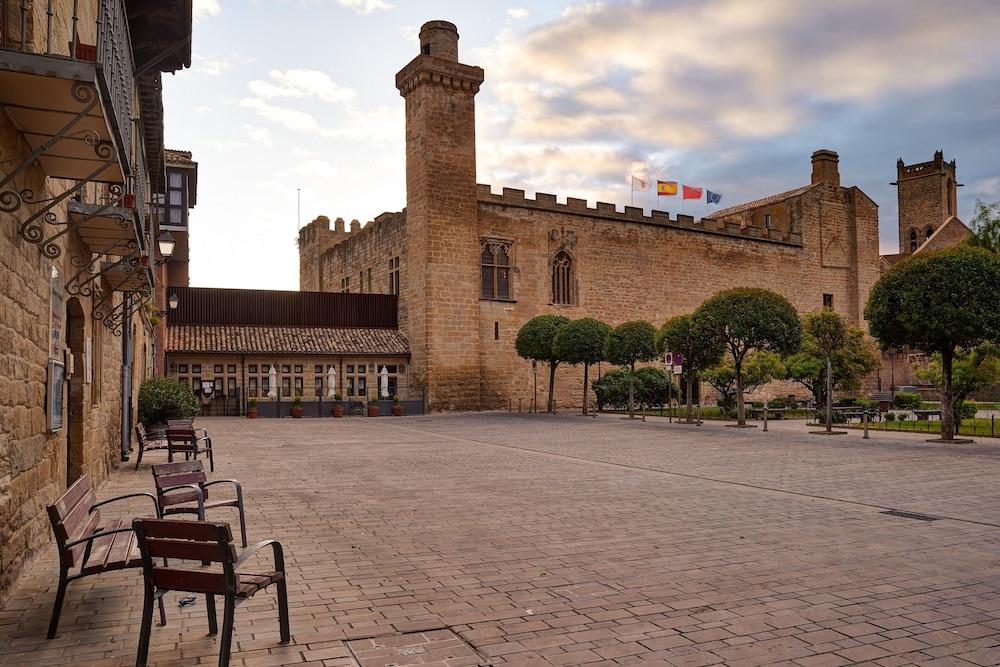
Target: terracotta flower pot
<point x="372" y="410"/>
<point x="252" y="413"/>
<point x="397" y="409"/>
<point x="128" y="201"/>
<point x="338" y="410"/>
<point x="297" y="411"/>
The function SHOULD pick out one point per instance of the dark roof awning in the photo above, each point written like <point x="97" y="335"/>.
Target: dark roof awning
<point x="161" y="33"/>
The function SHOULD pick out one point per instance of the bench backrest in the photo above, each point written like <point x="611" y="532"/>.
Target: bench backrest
<point x="187" y="540"/>
<point x="166" y="475"/>
<point x="73" y="517"/>
<point x="180" y="433"/>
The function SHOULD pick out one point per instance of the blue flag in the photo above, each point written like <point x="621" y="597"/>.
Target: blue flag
<point x="712" y="197"/>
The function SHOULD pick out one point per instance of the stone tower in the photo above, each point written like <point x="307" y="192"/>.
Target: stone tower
<point x="440" y="279"/>
<point x="927" y="199"/>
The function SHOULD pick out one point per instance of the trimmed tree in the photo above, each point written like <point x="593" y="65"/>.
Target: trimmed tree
<point x="939" y="302"/>
<point x="534" y="341"/>
<point x="759" y="368"/>
<point x="701" y="350"/>
<point x="582" y="342"/>
<point x="747" y="319"/>
<point x="628" y="344"/>
<point x="856" y="359"/>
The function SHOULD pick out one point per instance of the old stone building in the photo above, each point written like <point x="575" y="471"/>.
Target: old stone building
<point x="81" y="158"/>
<point x="471" y="265"/>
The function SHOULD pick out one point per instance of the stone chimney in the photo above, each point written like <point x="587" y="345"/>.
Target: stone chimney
<point x="825" y="167"/>
<point x="439" y="39"/>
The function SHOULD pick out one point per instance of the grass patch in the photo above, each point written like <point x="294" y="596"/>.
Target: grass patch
<point x="980" y="426"/>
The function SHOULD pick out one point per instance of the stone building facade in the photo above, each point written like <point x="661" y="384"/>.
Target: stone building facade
<point x="471" y="265"/>
<point x="77" y="240"/>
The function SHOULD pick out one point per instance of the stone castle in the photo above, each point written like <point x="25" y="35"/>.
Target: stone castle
<point x="470" y="265"/>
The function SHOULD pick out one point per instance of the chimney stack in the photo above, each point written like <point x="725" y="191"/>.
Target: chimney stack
<point x="825" y="167"/>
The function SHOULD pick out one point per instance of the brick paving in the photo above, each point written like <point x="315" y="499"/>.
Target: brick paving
<point x="540" y="540"/>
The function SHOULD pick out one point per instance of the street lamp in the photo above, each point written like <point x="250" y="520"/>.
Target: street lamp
<point x="172" y="301"/>
<point x="166" y="243"/>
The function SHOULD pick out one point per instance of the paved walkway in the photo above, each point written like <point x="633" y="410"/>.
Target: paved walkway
<point x="519" y="539"/>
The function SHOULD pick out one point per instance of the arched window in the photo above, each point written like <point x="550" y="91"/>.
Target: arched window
<point x="929" y="232"/>
<point x="494" y="259"/>
<point x="562" y="278"/>
<point x="913" y="240"/>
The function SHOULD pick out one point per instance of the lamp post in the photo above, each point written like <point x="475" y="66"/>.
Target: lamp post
<point x="173" y="301"/>
<point x="166" y="244"/>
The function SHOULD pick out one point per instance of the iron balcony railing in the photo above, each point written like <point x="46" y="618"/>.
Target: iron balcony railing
<point x="64" y="28"/>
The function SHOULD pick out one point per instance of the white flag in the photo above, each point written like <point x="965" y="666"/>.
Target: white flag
<point x="639" y="184"/>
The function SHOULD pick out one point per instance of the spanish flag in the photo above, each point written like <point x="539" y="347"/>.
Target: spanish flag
<point x="666" y="188"/>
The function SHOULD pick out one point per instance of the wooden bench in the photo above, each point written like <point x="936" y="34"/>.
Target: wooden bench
<point x="147" y="442"/>
<point x="84" y="542"/>
<point x="927" y="414"/>
<point x="205" y="542"/>
<point x="184" y="438"/>
<point x="180" y="484"/>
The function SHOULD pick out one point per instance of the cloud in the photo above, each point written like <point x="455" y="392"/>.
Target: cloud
<point x="365" y="6"/>
<point x="988" y="187"/>
<point x="260" y="135"/>
<point x="301" y="83"/>
<point x="293" y="119"/>
<point x="203" y="8"/>
<point x="214" y="66"/>
<point x="518" y="12"/>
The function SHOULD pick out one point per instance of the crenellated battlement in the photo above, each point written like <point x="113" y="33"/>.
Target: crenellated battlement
<point x="634" y="214"/>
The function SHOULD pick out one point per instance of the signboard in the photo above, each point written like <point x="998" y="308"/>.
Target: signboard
<point x="673" y="362"/>
<point x="54" y="391"/>
<point x="57" y="311"/>
<point x="88" y="361"/>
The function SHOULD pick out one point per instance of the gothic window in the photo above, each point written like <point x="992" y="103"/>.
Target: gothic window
<point x="929" y="232"/>
<point x="562" y="278"/>
<point x="394" y="275"/>
<point x="494" y="258"/>
<point x="828" y="301"/>
<point x="913" y="240"/>
<point x="947" y="195"/>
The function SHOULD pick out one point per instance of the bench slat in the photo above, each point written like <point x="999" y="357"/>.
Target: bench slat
<point x="188" y="580"/>
<point x="187" y="530"/>
<point x="166" y="481"/>
<point x="190" y="550"/>
<point x="77" y="523"/>
<point x="77" y="490"/>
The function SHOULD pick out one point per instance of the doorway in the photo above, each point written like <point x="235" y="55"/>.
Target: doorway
<point x="75" y="417"/>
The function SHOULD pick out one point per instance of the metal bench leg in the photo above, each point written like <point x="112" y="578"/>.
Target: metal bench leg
<point x="286" y="635"/>
<point x="163" y="612"/>
<point x="226" y="644"/>
<point x="57" y="605"/>
<point x="146" y="627"/>
<point x="243" y="517"/>
<point x="211" y="462"/>
<point x="213" y="624"/>
<point x="138" y="458"/>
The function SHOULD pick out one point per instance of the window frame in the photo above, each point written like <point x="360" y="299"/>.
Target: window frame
<point x="495" y="269"/>
<point x="563" y="283"/>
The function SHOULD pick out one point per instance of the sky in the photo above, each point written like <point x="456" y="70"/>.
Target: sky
<point x="291" y="101"/>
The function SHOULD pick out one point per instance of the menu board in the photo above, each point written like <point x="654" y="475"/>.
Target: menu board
<point x="54" y="394"/>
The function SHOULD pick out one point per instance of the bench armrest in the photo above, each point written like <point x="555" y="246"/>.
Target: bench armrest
<point x="102" y="533"/>
<point x="190" y="487"/>
<point x="156" y="504"/>
<point x="276" y="551"/>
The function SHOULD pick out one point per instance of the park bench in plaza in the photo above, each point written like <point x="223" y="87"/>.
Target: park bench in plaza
<point x="772" y="413"/>
<point x="184" y="438"/>
<point x="212" y="543"/>
<point x="88" y="544"/>
<point x="180" y="484"/>
<point x="927" y="414"/>
<point x="147" y="442"/>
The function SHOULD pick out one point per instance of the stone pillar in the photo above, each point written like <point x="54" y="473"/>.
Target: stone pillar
<point x="440" y="281"/>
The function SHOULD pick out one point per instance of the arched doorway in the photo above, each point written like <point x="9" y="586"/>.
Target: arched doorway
<point x="74" y="391"/>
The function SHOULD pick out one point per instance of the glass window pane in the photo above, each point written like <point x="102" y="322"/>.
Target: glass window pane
<point x="503" y="282"/>
<point x="176" y="179"/>
<point x="362" y="385"/>
<point x="298" y="368"/>
<point x="218" y="368"/>
<point x="231" y="368"/>
<point x="252" y="368"/>
<point x="318" y="368"/>
<point x="350" y="386"/>
<point x="488" y="282"/>
<point x="175" y="197"/>
<point x="231" y="387"/>
<point x="196" y="368"/>
<point x="350" y="368"/>
<point x="286" y="369"/>
<point x="487" y="255"/>
<point x="503" y="258"/>
<point x="175" y="215"/>
<point x="182" y="368"/>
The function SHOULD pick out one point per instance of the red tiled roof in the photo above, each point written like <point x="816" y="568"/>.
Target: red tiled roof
<point x="236" y="339"/>
<point x="757" y="203"/>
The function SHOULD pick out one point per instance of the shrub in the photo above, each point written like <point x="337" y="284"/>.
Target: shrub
<point x="778" y="403"/>
<point x="653" y="387"/>
<point x="161" y="399"/>
<point x="890" y="416"/>
<point x="611" y="389"/>
<point x="966" y="410"/>
<point x="905" y="400"/>
<point x="847" y="402"/>
<point x="903" y="417"/>
<point x="867" y="403"/>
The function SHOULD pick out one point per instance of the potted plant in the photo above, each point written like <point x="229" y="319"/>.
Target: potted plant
<point x="373" y="406"/>
<point x="338" y="407"/>
<point x="297" y="406"/>
<point x="252" y="408"/>
<point x="397" y="406"/>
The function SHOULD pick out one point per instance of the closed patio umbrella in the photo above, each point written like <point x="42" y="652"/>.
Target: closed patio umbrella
<point x="272" y="379"/>
<point x="383" y="382"/>
<point x="331" y="381"/>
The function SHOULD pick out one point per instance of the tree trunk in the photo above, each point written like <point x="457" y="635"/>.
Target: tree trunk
<point x="947" y="405"/>
<point x="631" y="391"/>
<point x="829" y="396"/>
<point x="741" y="413"/>
<point x="552" y="385"/>
<point x="690" y="408"/>
<point x="586" y="368"/>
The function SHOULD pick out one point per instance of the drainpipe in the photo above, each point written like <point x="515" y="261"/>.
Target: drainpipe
<point x="243" y="383"/>
<point x="126" y="404"/>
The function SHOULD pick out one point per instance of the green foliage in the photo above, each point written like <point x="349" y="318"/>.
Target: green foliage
<point x="828" y="331"/>
<point x="966" y="410"/>
<point x="162" y="398"/>
<point x="630" y="343"/>
<point x="252" y="403"/>
<point x="905" y="400"/>
<point x="985" y="226"/>
<point x="581" y="341"/>
<point x="902" y="417"/>
<point x="758" y="369"/>
<point x="937" y="301"/>
<point x="297" y="400"/>
<point x="745" y="319"/>
<point x="890" y="416"/>
<point x="689" y="336"/>
<point x="651" y="388"/>
<point x="855" y="359"/>
<point x="535" y="338"/>
<point x="972" y="370"/>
